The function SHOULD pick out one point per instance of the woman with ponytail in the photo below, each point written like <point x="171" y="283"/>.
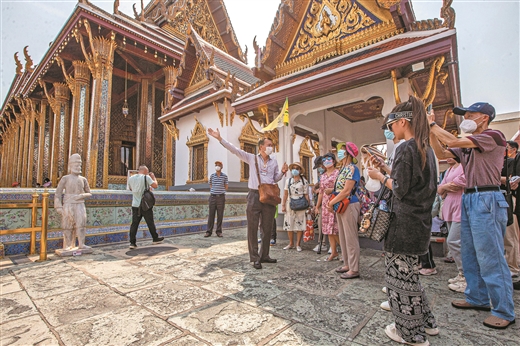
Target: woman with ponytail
<point x="413" y="180"/>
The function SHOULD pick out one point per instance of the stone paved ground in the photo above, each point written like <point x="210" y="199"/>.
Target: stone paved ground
<point x="197" y="291"/>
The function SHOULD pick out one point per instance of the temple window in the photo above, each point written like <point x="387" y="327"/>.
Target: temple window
<point x="198" y="145"/>
<point x="250" y="148"/>
<point x="306" y="156"/>
<point x="248" y="139"/>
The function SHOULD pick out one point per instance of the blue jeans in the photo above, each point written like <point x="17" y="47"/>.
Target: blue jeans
<point x="483" y="225"/>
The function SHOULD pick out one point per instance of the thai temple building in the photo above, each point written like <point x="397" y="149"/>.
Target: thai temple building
<point x="129" y="90"/>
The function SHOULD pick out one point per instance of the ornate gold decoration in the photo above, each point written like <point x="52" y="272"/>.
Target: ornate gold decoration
<point x="293" y="138"/>
<point x="435" y="75"/>
<point x="19" y="66"/>
<point x="220" y="114"/>
<point x="172" y="129"/>
<point x="170" y="77"/>
<point x="306" y="152"/>
<point x="116" y="7"/>
<point x="396" y="88"/>
<point x="387" y="3"/>
<point x="449" y="114"/>
<point x="249" y="135"/>
<point x="448" y="14"/>
<point x="100" y="58"/>
<point x="28" y="61"/>
<point x="71" y="82"/>
<point x="198" y="136"/>
<point x="315" y="145"/>
<point x="334" y="27"/>
<point x="197" y="14"/>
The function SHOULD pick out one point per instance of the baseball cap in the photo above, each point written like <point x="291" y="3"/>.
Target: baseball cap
<point x="317" y="161"/>
<point x="480" y="107"/>
<point x="351" y="148"/>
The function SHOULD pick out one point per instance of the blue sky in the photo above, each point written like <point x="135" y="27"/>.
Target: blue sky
<point x="488" y="38"/>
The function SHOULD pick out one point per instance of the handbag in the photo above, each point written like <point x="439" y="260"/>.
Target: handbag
<point x="148" y="199"/>
<point x="376" y="221"/>
<point x="308" y="235"/>
<point x="341" y="206"/>
<point x="297" y="204"/>
<point x="269" y="193"/>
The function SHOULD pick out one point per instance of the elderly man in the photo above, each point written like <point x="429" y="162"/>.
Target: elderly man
<point x="484" y="212"/>
<point x="69" y="202"/>
<point x="218" y="185"/>
<point x="269" y="174"/>
<point x="138" y="184"/>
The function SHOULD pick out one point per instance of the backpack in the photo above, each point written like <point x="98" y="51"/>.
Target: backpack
<point x="364" y="199"/>
<point x="148" y="199"/>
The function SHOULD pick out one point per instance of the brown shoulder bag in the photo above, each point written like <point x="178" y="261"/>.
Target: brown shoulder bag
<point x="269" y="193"/>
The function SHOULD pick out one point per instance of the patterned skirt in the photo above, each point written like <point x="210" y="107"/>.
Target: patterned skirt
<point x="407" y="298"/>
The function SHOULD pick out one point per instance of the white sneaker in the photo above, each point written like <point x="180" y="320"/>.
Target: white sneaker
<point x="299" y="249"/>
<point x="316" y="248"/>
<point x="457" y="278"/>
<point x="458" y="286"/>
<point x="288" y="247"/>
<point x="385" y="306"/>
<point x="392" y="334"/>
<point x="384" y="290"/>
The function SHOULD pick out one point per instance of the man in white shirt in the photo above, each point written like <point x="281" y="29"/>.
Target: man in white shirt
<point x="137" y="184"/>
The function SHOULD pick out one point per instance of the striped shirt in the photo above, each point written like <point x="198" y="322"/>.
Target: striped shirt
<point x="218" y="184"/>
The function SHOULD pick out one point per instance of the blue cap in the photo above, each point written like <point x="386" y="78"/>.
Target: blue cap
<point x="479" y="107"/>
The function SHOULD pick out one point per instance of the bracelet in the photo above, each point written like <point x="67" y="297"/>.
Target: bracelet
<point x="384" y="181"/>
<point x="433" y="123"/>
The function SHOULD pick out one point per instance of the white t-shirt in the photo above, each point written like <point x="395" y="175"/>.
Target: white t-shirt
<point x="298" y="188"/>
<point x="137" y="185"/>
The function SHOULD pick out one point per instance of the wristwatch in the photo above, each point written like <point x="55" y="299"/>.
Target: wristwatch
<point x="433" y="123"/>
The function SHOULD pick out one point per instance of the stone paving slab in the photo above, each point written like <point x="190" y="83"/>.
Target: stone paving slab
<point x="128" y="326"/>
<point x="73" y="306"/>
<point x="16" y="305"/>
<point x="26" y="331"/>
<point x="225" y="322"/>
<point x="192" y="290"/>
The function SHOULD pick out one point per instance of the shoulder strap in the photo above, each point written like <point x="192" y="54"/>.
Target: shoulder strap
<point x="145" y="183"/>
<point x="257" y="170"/>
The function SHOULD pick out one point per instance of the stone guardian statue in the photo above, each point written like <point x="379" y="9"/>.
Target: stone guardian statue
<point x="69" y="202"/>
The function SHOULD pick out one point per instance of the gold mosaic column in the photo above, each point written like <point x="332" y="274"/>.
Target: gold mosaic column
<point x="79" y="86"/>
<point x="43" y="145"/>
<point x="100" y="62"/>
<point x="60" y="139"/>
<point x="145" y="125"/>
<point x="19" y="147"/>
<point x="170" y="79"/>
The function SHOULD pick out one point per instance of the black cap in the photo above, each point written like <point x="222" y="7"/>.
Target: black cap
<point x="317" y="161"/>
<point x="479" y="107"/>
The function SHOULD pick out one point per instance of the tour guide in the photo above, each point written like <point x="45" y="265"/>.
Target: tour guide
<point x="484" y="212"/>
<point x="269" y="174"/>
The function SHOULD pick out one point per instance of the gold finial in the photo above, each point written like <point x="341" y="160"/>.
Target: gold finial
<point x="28" y="60"/>
<point x="18" y="64"/>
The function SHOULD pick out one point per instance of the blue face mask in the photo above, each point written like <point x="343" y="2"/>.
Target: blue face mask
<point x="342" y="154"/>
<point x="321" y="170"/>
<point x="389" y="135"/>
<point x="295" y="172"/>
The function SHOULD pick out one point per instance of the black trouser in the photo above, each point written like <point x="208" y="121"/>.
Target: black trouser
<point x="256" y="211"/>
<point x="426" y="260"/>
<point x="137" y="215"/>
<point x="273" y="231"/>
<point x="216" y="204"/>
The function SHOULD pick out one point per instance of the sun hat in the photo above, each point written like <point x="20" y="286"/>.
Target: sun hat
<point x="317" y="161"/>
<point x="298" y="165"/>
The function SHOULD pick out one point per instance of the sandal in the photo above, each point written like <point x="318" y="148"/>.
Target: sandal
<point x="462" y="304"/>
<point x="349" y="276"/>
<point x="497" y="322"/>
<point x="341" y="270"/>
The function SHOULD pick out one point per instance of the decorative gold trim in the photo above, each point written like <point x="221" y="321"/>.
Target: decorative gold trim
<point x="396" y="88"/>
<point x="198" y="136"/>
<point x="435" y="75"/>
<point x="305" y="151"/>
<point x="448" y="14"/>
<point x="172" y="129"/>
<point x="248" y="135"/>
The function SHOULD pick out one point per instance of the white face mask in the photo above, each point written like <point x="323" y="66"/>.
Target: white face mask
<point x="217" y="168"/>
<point x="468" y="126"/>
<point x="269" y="150"/>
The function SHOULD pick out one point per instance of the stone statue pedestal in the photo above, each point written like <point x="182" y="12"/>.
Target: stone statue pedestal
<point x="73" y="252"/>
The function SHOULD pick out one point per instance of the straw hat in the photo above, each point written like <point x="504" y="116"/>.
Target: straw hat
<point x="297" y="165"/>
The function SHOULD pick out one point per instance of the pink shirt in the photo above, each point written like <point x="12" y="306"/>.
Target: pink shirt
<point x="452" y="203"/>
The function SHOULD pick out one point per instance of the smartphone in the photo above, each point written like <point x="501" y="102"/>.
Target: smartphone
<point x="514" y="179"/>
<point x="429" y="108"/>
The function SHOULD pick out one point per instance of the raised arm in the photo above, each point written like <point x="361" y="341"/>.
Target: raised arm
<point x="242" y="155"/>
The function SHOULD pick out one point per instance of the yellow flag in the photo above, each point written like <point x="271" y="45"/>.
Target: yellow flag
<point x="282" y="118"/>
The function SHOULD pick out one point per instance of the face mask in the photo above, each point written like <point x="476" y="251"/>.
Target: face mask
<point x="468" y="126"/>
<point x="327" y="163"/>
<point x="295" y="172"/>
<point x="389" y="135"/>
<point x="342" y="154"/>
<point x="321" y="170"/>
<point x="217" y="168"/>
<point x="269" y="150"/>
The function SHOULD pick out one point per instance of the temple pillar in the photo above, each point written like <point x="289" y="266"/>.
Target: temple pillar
<point x="26" y="148"/>
<point x="60" y="139"/>
<point x="145" y="128"/>
<point x="170" y="79"/>
<point x="20" y="130"/>
<point x="79" y="86"/>
<point x="43" y="143"/>
<point x="100" y="62"/>
<point x="32" y="148"/>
